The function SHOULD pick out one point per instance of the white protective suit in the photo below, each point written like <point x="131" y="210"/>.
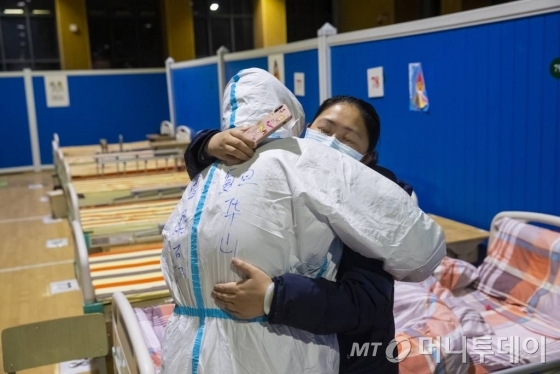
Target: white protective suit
<point x="282" y="212"/>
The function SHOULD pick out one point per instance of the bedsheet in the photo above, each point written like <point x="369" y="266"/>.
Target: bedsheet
<point x="153" y="321"/>
<point x="451" y="327"/>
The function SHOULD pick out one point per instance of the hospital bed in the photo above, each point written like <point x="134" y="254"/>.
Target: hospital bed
<point x="133" y="270"/>
<point x="508" y="296"/>
<point x="129" y="158"/>
<point x="119" y="163"/>
<point x="138" y="334"/>
<point x="133" y="188"/>
<point x="153" y="175"/>
<point x="83" y="150"/>
<point x="123" y="224"/>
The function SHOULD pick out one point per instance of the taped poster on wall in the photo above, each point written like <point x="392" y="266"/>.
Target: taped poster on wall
<point x="417" y="88"/>
<point x="375" y="82"/>
<point x="56" y="87"/>
<point x="299" y="84"/>
<point x="276" y="66"/>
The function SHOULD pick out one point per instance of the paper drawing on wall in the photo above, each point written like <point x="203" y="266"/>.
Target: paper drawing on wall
<point x="56" y="90"/>
<point x="375" y="82"/>
<point x="299" y="84"/>
<point x="417" y="88"/>
<point x="276" y="66"/>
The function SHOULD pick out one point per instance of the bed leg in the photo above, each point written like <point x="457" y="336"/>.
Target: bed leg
<point x="101" y="364"/>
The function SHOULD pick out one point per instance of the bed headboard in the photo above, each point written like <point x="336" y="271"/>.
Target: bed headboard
<point x="526" y="217"/>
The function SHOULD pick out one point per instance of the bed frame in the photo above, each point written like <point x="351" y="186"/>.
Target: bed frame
<point x="130" y="353"/>
<point x="63" y="175"/>
<point x="117" y="158"/>
<point x="155" y="192"/>
<point x="85" y="280"/>
<point x="100" y="241"/>
<point x="122" y="163"/>
<point x="527" y="217"/>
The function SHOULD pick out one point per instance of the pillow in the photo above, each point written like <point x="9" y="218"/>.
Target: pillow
<point x="521" y="268"/>
<point x="455" y="274"/>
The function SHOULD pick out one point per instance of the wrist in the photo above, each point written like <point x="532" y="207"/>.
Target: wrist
<point x="206" y="153"/>
<point x="268" y="298"/>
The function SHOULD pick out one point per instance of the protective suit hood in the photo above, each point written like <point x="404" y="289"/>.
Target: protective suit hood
<point x="253" y="93"/>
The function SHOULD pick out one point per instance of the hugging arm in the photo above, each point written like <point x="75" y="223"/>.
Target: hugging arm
<point x="360" y="298"/>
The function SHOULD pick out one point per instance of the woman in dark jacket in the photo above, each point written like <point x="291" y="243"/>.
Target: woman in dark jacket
<point x="358" y="307"/>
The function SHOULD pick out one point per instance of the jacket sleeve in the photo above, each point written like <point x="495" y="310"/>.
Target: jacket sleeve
<point x="361" y="298"/>
<point x="195" y="159"/>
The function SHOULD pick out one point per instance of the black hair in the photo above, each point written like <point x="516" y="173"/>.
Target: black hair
<point x="368" y="113"/>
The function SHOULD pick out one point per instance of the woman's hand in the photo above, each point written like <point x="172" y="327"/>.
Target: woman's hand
<point x="231" y="146"/>
<point x="243" y="299"/>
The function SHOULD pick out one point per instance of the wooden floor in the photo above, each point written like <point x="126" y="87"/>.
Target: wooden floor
<point x="27" y="267"/>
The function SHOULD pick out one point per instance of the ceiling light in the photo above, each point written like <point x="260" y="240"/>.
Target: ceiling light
<point x="41" y="11"/>
<point x="214" y="7"/>
<point x="13" y="11"/>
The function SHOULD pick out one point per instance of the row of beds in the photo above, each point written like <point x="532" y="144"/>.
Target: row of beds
<point x="119" y="200"/>
<point x="119" y="197"/>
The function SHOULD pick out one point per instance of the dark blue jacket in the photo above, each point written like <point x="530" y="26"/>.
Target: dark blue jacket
<point x="358" y="307"/>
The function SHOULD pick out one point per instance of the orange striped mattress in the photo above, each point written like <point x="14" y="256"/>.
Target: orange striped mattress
<point x="135" y="273"/>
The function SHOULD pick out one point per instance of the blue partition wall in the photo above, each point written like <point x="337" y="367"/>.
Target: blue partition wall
<point x="304" y="62"/>
<point x="490" y="141"/>
<point x="233" y="67"/>
<point x="15" y="144"/>
<point x="102" y="106"/>
<point x="196" y="97"/>
<point x="297" y="62"/>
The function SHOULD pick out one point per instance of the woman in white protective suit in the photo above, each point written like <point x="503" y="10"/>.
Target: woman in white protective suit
<point x="294" y="195"/>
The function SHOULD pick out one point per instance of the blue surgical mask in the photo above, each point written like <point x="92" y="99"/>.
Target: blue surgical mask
<point x="332" y="142"/>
